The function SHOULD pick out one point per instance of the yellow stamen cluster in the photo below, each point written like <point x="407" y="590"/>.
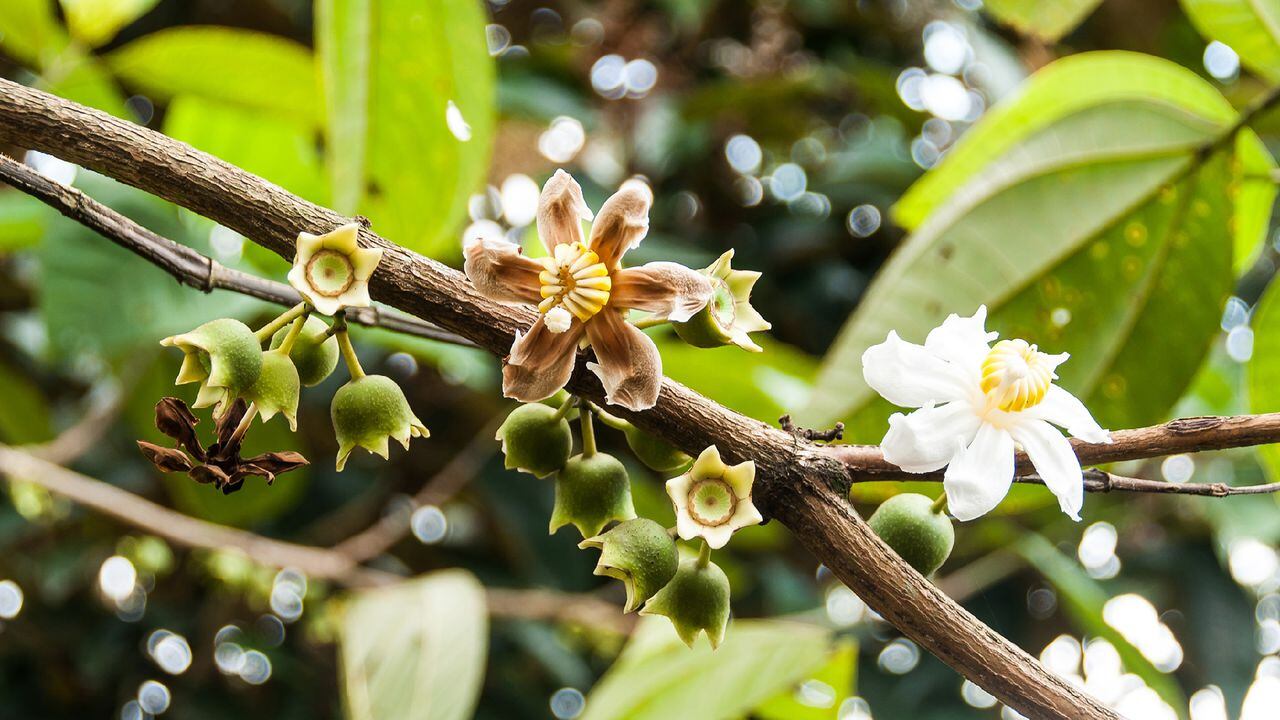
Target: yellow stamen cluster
<point x="1016" y="375"/>
<point x="576" y="280"/>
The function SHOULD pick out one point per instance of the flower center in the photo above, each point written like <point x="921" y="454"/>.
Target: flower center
<point x="723" y="307"/>
<point x="576" y="280"/>
<point x="1016" y="375"/>
<point x="330" y="273"/>
<point x="711" y="502"/>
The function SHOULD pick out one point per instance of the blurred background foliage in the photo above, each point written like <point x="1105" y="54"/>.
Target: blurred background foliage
<point x="1078" y="205"/>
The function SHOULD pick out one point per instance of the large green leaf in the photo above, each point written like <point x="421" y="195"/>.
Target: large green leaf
<point x="83" y="78"/>
<point x="1082" y="599"/>
<point x="245" y="68"/>
<point x="22" y="220"/>
<point x="96" y="22"/>
<point x="1047" y="19"/>
<point x="1083" y="214"/>
<point x="415" y="651"/>
<point x="840" y="675"/>
<point x="416" y="58"/>
<point x="1264" y="369"/>
<point x="30" y="32"/>
<point x="761" y="385"/>
<point x="1252" y="220"/>
<point x="657" y="677"/>
<point x="1250" y="27"/>
<point x="24" y="414"/>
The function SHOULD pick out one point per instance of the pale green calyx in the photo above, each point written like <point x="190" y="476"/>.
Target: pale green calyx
<point x="314" y="353"/>
<point x="332" y="271"/>
<point x="713" y="500"/>
<point x="638" y="552"/>
<point x="696" y="600"/>
<point x="277" y="388"/>
<point x="369" y="411"/>
<point x="728" y="319"/>
<point x="223" y="356"/>
<point x="535" y="439"/>
<point x="592" y="491"/>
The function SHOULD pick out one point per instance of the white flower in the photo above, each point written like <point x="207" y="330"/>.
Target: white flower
<point x="977" y="405"/>
<point x="713" y="500"/>
<point x="332" y="271"/>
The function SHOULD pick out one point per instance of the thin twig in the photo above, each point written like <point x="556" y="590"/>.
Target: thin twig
<point x="316" y="562"/>
<point x="185" y="264"/>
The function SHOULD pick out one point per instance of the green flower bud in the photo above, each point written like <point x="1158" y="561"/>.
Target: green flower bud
<point x="591" y="491"/>
<point x="728" y="318"/>
<point x="655" y="452"/>
<point x="638" y="552"/>
<point x="534" y="440"/>
<point x="909" y="524"/>
<point x="276" y="389"/>
<point x="223" y="356"/>
<point x="314" y="354"/>
<point x="696" y="600"/>
<point x="369" y="410"/>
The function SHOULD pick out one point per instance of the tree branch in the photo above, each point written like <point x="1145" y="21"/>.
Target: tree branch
<point x="797" y="483"/>
<point x="185" y="264"/>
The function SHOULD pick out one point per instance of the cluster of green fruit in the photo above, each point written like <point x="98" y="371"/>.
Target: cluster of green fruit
<point x="593" y="489"/>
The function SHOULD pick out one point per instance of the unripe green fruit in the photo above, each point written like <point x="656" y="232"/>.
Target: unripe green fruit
<point x="704" y="329"/>
<point x="223" y="355"/>
<point x="638" y="552"/>
<point x="314" y="354"/>
<point x="591" y="491"/>
<point x="696" y="600"/>
<point x="367" y="412"/>
<point x="277" y="388"/>
<point x="534" y="440"/>
<point x="908" y="524"/>
<point x="654" y="452"/>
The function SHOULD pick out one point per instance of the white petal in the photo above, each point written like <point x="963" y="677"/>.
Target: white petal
<point x="907" y="374"/>
<point x="1055" y="461"/>
<point x="963" y="341"/>
<point x="686" y="527"/>
<point x="925" y="440"/>
<point x="1066" y="411"/>
<point x="980" y="475"/>
<point x="717" y="537"/>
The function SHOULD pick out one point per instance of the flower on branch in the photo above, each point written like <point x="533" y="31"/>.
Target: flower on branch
<point x="977" y="404"/>
<point x="332" y="271"/>
<point x="583" y="293"/>
<point x="713" y="500"/>
<point x="728" y="318"/>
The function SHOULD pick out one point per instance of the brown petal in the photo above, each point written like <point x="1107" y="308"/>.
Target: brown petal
<point x="165" y="459"/>
<point x="540" y="362"/>
<point x="561" y="211"/>
<point x="501" y="273"/>
<point x="278" y="463"/>
<point x="174" y="418"/>
<point x="668" y="289"/>
<point x="622" y="222"/>
<point x="209" y="474"/>
<point x="227" y="422"/>
<point x="629" y="364"/>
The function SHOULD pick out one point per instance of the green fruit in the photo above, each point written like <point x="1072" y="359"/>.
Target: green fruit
<point x="534" y="440"/>
<point x="908" y="524"/>
<point x="277" y="388"/>
<point x="223" y="355"/>
<point x="367" y="412"/>
<point x="696" y="600"/>
<point x="654" y="452"/>
<point x="314" y="354"/>
<point x="591" y="491"/>
<point x="706" y="329"/>
<point x="638" y="552"/>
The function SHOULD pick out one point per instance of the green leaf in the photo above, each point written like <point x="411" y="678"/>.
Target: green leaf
<point x="83" y="78"/>
<point x="1252" y="219"/>
<point x="22" y="220"/>
<point x="1264" y="369"/>
<point x="840" y="675"/>
<point x="415" y="651"/>
<point x="96" y="22"/>
<point x="30" y="32"/>
<point x="1084" y="217"/>
<point x="418" y="175"/>
<point x="761" y="385"/>
<point x="1047" y="19"/>
<point x="1250" y="27"/>
<point x="241" y="67"/>
<point x="24" y="414"/>
<point x="1082" y="599"/>
<point x="657" y="677"/>
<point x="275" y="149"/>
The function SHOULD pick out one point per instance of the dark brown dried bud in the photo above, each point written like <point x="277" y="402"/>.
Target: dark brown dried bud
<point x="209" y="474"/>
<point x="174" y="419"/>
<point x="165" y="459"/>
<point x="278" y="463"/>
<point x="227" y="423"/>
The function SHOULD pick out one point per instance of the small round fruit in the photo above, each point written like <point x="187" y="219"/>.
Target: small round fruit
<point x="276" y="389"/>
<point x="592" y="491"/>
<point x="638" y="552"/>
<point x="654" y="452"/>
<point x="367" y="412"/>
<point x="534" y="440"/>
<point x="696" y="600"/>
<point x="908" y="524"/>
<point x="314" y="354"/>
